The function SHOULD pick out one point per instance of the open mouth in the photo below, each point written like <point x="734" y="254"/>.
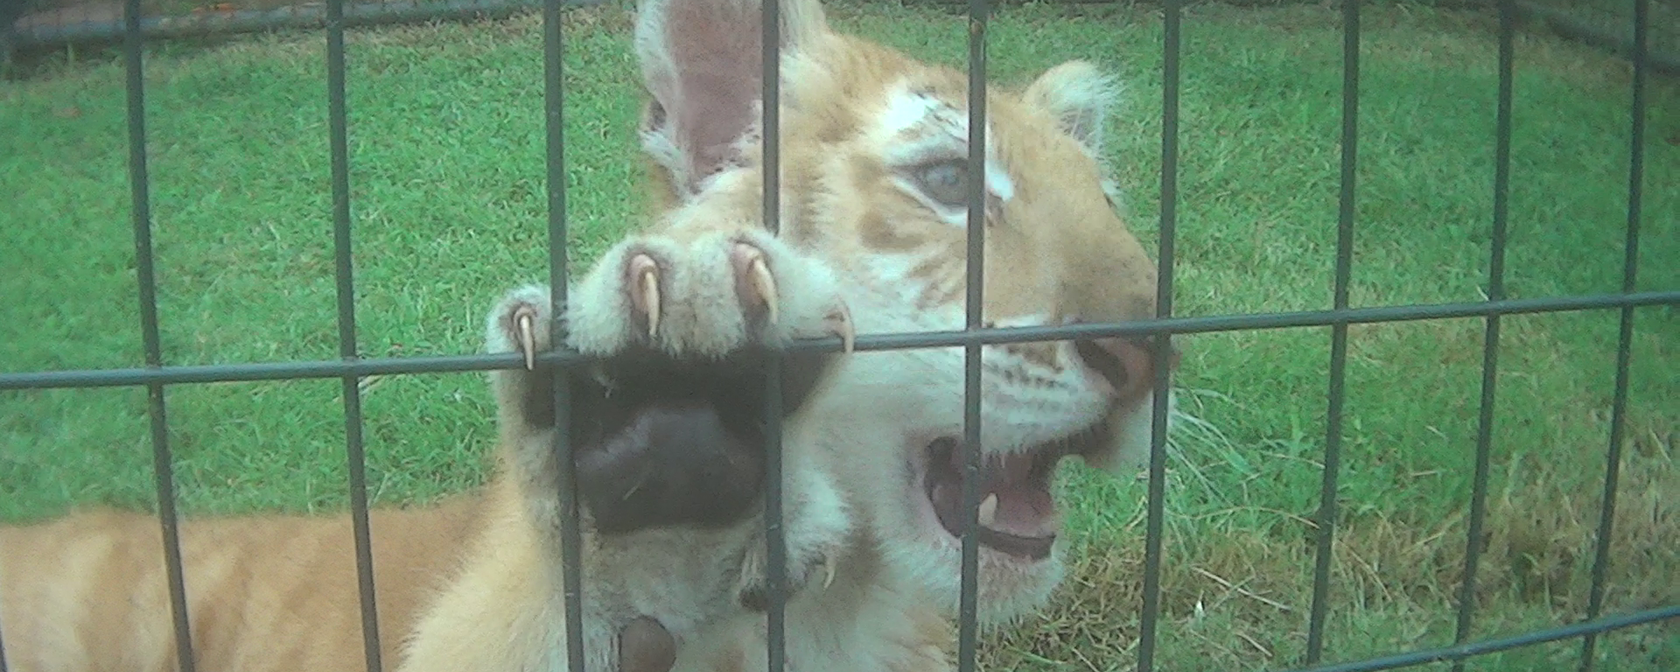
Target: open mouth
<point x="1017" y="511"/>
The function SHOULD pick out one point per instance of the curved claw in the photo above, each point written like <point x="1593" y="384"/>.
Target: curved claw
<point x="839" y="323"/>
<point x="527" y="336"/>
<point x="646" y="272"/>
<point x="764" y="284"/>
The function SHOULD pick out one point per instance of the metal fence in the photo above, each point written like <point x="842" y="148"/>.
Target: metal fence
<point x="155" y="376"/>
<point x="91" y="23"/>
<point x="31" y="24"/>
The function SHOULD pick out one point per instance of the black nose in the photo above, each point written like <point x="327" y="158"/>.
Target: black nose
<point x="1103" y="356"/>
<point x="1128" y="364"/>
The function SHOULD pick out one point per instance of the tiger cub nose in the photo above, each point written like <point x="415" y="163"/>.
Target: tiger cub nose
<point x="1126" y="363"/>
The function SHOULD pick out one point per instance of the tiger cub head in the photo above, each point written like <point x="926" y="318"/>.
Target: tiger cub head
<point x="874" y="183"/>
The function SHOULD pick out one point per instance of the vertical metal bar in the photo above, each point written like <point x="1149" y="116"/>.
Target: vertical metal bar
<point x="776" y="556"/>
<point x="776" y="550"/>
<point x="571" y="536"/>
<point x="1156" y="506"/>
<point x="162" y="467"/>
<point x="338" y="130"/>
<point x="1490" y="344"/>
<point x="1624" y="340"/>
<point x="3" y="667"/>
<point x="1326" y="518"/>
<point x="968" y="608"/>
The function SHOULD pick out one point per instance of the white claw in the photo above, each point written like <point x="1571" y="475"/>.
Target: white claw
<point x="988" y="510"/>
<point x="650" y="298"/>
<point x="840" y="323"/>
<point x="765" y="284"/>
<point x="828" y="573"/>
<point x="527" y="338"/>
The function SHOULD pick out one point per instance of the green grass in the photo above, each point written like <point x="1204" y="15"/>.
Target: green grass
<point x="449" y="205"/>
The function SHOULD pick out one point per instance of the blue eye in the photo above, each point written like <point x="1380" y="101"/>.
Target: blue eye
<point x="944" y="181"/>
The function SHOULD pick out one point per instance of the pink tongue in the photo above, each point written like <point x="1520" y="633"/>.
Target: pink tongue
<point x="1024" y="507"/>
<point x="1024" y="511"/>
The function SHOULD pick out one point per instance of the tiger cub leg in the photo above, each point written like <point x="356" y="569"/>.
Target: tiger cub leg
<point x="669" y="452"/>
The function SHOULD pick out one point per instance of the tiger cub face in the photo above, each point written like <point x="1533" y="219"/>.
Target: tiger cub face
<point x="874" y="192"/>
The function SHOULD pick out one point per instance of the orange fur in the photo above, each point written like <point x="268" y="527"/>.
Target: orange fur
<point x="471" y="584"/>
<point x="89" y="591"/>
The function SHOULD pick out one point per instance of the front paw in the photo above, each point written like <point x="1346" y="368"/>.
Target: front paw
<point x="675" y="409"/>
<point x="667" y="422"/>
<point x="704" y="297"/>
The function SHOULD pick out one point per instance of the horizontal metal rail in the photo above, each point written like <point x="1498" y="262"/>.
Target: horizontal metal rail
<point x="311" y="17"/>
<point x="1568" y="26"/>
<point x="1487" y="646"/>
<point x="218" y="373"/>
<point x="295" y="17"/>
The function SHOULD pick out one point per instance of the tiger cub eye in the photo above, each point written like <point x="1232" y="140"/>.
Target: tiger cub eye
<point x="945" y="182"/>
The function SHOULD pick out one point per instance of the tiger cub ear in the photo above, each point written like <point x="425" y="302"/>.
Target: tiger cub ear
<point x="701" y="61"/>
<point x="1079" y="96"/>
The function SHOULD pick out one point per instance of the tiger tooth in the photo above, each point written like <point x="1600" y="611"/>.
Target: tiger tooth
<point x="828" y="573"/>
<point x="988" y="510"/>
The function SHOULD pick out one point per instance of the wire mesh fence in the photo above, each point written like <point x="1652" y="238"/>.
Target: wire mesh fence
<point x="98" y="22"/>
<point x="37" y="23"/>
<point x="135" y="26"/>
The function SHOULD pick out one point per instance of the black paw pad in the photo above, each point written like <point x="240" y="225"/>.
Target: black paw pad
<point x="661" y="442"/>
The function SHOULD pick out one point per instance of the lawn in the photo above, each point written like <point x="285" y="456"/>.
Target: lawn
<point x="448" y="186"/>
